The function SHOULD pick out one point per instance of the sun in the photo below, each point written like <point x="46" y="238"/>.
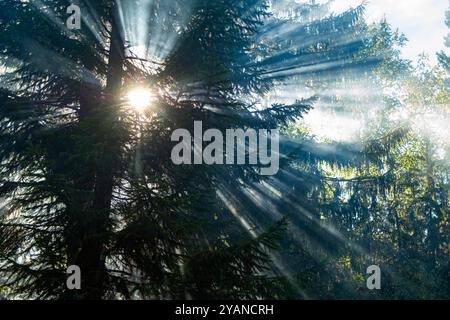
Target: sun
<point x="140" y="98"/>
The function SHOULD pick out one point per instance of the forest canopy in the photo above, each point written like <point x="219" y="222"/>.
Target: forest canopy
<point x="90" y="118"/>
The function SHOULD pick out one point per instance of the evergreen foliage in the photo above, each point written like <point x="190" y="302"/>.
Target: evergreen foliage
<point x="86" y="180"/>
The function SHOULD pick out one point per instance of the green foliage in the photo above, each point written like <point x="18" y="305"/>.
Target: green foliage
<point x="87" y="180"/>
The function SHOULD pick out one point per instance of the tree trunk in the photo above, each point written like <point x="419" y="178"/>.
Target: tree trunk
<point x="91" y="257"/>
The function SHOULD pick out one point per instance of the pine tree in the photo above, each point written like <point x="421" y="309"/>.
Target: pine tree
<point x="442" y="56"/>
<point x="392" y="208"/>
<point x="72" y="195"/>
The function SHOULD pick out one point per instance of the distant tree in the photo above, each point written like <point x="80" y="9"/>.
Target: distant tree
<point x="444" y="59"/>
<point x="392" y="208"/>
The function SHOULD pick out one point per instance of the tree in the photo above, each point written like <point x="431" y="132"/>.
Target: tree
<point x="391" y="209"/>
<point x="68" y="143"/>
<point x="442" y="56"/>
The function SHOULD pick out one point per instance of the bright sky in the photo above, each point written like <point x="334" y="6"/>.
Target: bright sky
<point x="422" y="21"/>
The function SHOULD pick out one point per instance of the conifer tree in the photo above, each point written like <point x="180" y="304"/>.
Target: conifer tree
<point x="443" y="57"/>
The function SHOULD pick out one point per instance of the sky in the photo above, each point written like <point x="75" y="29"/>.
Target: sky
<point x="422" y="21"/>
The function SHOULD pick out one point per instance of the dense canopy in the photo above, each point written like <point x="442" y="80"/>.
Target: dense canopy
<point x="86" y="178"/>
